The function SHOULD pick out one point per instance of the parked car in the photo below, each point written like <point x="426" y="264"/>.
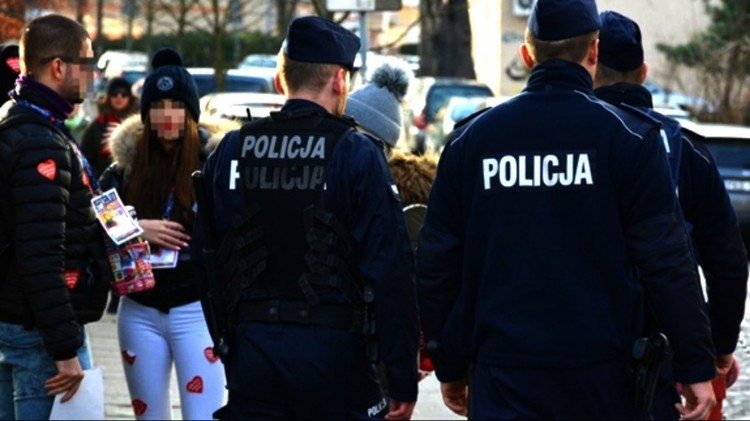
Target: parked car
<point x="255" y="61"/>
<point x="730" y="147"/>
<point x="235" y="105"/>
<point x="455" y="110"/>
<point x="665" y="98"/>
<point x="235" y="80"/>
<point x="425" y="99"/>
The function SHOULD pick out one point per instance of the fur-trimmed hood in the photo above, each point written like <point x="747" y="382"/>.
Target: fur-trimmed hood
<point x="414" y="175"/>
<point x="125" y="136"/>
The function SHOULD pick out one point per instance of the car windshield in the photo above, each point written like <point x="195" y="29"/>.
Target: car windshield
<point x="439" y="95"/>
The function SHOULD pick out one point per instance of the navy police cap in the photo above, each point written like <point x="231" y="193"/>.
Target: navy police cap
<point x="555" y="20"/>
<point x="314" y="39"/>
<point x="620" y="46"/>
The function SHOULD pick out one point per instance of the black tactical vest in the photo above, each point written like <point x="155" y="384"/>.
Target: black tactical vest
<point x="293" y="245"/>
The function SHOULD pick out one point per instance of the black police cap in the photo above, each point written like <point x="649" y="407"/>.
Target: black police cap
<point x="555" y="20"/>
<point x="314" y="39"/>
<point x="620" y="46"/>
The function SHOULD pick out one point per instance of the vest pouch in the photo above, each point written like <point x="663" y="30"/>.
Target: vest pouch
<point x="131" y="267"/>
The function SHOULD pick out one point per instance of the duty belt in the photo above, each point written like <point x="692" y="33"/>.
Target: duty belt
<point x="338" y="316"/>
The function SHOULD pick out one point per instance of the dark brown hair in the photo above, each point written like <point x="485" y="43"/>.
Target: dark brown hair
<point x="157" y="172"/>
<point x="50" y="36"/>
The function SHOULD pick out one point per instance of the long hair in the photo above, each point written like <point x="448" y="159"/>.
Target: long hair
<point x="156" y="173"/>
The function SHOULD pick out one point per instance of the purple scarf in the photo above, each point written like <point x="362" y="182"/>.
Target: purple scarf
<point x="43" y="96"/>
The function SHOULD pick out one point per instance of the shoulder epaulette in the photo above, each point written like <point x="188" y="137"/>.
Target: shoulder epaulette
<point x="640" y="113"/>
<point x="464" y="121"/>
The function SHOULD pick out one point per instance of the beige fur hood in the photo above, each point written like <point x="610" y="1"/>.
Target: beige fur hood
<point x="125" y="136"/>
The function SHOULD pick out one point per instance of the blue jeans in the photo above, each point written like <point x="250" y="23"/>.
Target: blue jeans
<point x="24" y="367"/>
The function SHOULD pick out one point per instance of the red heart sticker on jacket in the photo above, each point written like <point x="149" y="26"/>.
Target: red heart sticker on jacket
<point x="71" y="277"/>
<point x="14" y="63"/>
<point x="210" y="356"/>
<point x="139" y="407"/>
<point x="195" y="385"/>
<point x="127" y="357"/>
<point x="85" y="178"/>
<point x="48" y="169"/>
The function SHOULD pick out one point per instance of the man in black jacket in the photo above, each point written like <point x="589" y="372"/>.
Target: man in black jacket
<point x="711" y="219"/>
<point x="55" y="273"/>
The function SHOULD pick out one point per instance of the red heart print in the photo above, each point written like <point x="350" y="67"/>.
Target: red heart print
<point x="210" y="356"/>
<point x="47" y="169"/>
<point x="127" y="357"/>
<point x="195" y="385"/>
<point x="14" y="63"/>
<point x="139" y="407"/>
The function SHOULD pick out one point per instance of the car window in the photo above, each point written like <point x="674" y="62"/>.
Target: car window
<point x="731" y="153"/>
<point x="246" y="84"/>
<point x="205" y="84"/>
<point x="440" y="94"/>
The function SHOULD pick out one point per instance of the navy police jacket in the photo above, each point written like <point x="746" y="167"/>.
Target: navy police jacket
<point x="360" y="191"/>
<point x="551" y="216"/>
<point x="709" y="214"/>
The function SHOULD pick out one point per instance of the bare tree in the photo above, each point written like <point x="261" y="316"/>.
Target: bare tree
<point x="445" y="39"/>
<point x="177" y="12"/>
<point x="285" y="11"/>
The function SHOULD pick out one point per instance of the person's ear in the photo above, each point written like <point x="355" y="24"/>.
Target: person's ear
<point x="644" y="72"/>
<point x="339" y="82"/>
<point x="277" y="84"/>
<point x="57" y="69"/>
<point x="593" y="55"/>
<point x="526" y="56"/>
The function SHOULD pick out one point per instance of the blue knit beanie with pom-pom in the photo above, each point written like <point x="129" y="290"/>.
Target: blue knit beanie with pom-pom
<point x="376" y="106"/>
<point x="168" y="79"/>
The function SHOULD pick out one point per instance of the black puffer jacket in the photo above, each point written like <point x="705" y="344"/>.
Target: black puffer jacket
<point x="50" y="229"/>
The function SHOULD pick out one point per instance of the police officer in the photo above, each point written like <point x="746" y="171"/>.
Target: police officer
<point x="314" y="248"/>
<point x="541" y="210"/>
<point x="712" y="222"/>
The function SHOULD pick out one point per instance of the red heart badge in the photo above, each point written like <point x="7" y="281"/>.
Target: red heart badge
<point x="14" y="63"/>
<point x="195" y="385"/>
<point x="71" y="277"/>
<point x="210" y="356"/>
<point x="139" y="407"/>
<point x="127" y="357"/>
<point x="48" y="169"/>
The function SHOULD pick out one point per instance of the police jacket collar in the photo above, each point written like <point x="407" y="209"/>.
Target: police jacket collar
<point x="559" y="74"/>
<point x="625" y="93"/>
<point x="302" y="104"/>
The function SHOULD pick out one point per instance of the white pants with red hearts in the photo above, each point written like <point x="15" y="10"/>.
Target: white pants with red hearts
<point x="150" y="342"/>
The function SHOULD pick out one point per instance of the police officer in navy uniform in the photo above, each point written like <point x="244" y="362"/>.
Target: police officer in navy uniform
<point x="711" y="219"/>
<point x="314" y="249"/>
<point x="552" y="220"/>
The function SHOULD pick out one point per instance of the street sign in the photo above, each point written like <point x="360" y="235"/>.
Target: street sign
<point x="362" y="5"/>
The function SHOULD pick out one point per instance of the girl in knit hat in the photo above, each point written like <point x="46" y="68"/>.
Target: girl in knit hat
<point x="154" y="156"/>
